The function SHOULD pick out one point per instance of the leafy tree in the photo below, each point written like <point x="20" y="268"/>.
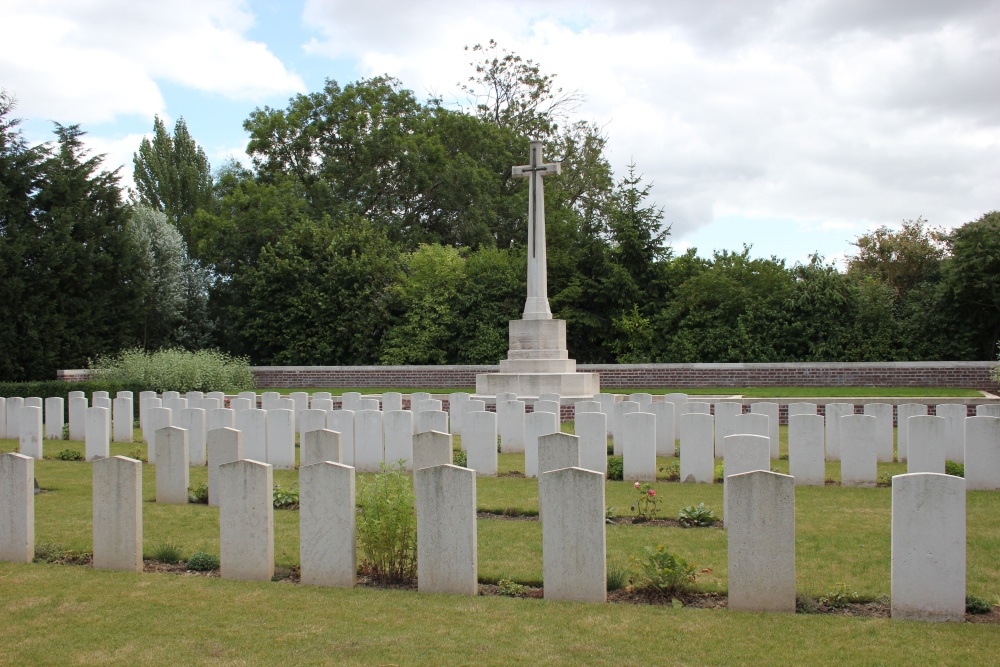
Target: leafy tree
<point x="172" y="175"/>
<point x="972" y="281"/>
<point x="901" y="259"/>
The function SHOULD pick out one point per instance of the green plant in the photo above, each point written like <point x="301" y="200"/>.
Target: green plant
<point x="663" y="571"/>
<point x="137" y="454"/>
<point x="285" y="499"/>
<point x="167" y="552"/>
<point x="202" y="562"/>
<point x="65" y="432"/>
<point x="839" y="597"/>
<point x="616" y="467"/>
<point x="805" y="605"/>
<point x="885" y="479"/>
<point x="175" y="369"/>
<point x="645" y="505"/>
<point x="977" y="605"/>
<point x="954" y="468"/>
<point x="69" y="455"/>
<point x="460" y="459"/>
<point x="387" y="525"/>
<point x="198" y="494"/>
<point x="719" y="474"/>
<point x="511" y="589"/>
<point x="617" y="576"/>
<point x="610" y="514"/>
<point x="672" y="472"/>
<point x="696" y="517"/>
<point x="49" y="552"/>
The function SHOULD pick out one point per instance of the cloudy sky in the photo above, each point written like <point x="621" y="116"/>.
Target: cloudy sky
<point x="792" y="126"/>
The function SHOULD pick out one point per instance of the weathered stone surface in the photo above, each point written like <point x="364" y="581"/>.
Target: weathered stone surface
<point x="607" y="402"/>
<point x="680" y="403"/>
<point x="369" y="446"/>
<point x="172" y="475"/>
<point x="928" y="547"/>
<point x="699" y="408"/>
<point x="926" y="444"/>
<point x="310" y="420"/>
<point x="883" y="430"/>
<point x="397" y="429"/>
<point x="342" y="421"/>
<point x="194" y="422"/>
<point x="457" y="403"/>
<point x="755" y="424"/>
<point x="573" y="535"/>
<point x="760" y="523"/>
<point x="903" y="412"/>
<point x="510" y="421"/>
<point x="431" y="448"/>
<point x="857" y="450"/>
<point x="697" y="448"/>
<point x="643" y="399"/>
<point x="224" y="445"/>
<point x="122" y="419"/>
<point x="725" y="412"/>
<point x="253" y="423"/>
<point x="370" y="404"/>
<point x="549" y="396"/>
<point x="834" y="411"/>
<point x="327" y="523"/>
<point x="771" y="410"/>
<point x="587" y="406"/>
<point x="240" y="404"/>
<point x="664" y="413"/>
<point x="621" y="409"/>
<point x="638" y="446"/>
<point x="536" y="424"/>
<point x="117" y="518"/>
<point x="558" y="450"/>
<point x="744" y="453"/>
<point x="428" y="404"/>
<point x="17" y="508"/>
<point x="447" y="552"/>
<point x="220" y="418"/>
<point x="166" y="396"/>
<point x="592" y="427"/>
<point x="982" y="453"/>
<point x="805" y="450"/>
<point x="246" y="520"/>
<point x="97" y="444"/>
<point x="3" y="417"/>
<point x="319" y="446"/>
<point x="145" y="403"/>
<point x="351" y="400"/>
<point x="156" y="418"/>
<point x="547" y="406"/>
<point x="324" y="404"/>
<point x="301" y="401"/>
<point x="954" y="415"/>
<point x="31" y="432"/>
<point x="14" y="405"/>
<point x="320" y="396"/>
<point x="55" y="418"/>
<point x="392" y="401"/>
<point x="479" y="437"/>
<point x="991" y="410"/>
<point x="801" y="409"/>
<point x="431" y="420"/>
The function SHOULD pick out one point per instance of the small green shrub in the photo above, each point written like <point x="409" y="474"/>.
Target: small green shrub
<point x="69" y="455"/>
<point x="175" y="369"/>
<point x="719" y="474"/>
<point x="977" y="605"/>
<point x="198" y="495"/>
<point x="609" y="515"/>
<point x="285" y="499"/>
<point x="460" y="458"/>
<point x="839" y="597"/>
<point x="954" y="468"/>
<point x="387" y="525"/>
<point x="885" y="479"/>
<point x="663" y="571"/>
<point x="805" y="605"/>
<point x="672" y="472"/>
<point x="696" y="517"/>
<point x="202" y="562"/>
<point x="617" y="576"/>
<point x="616" y="467"/>
<point x="645" y="505"/>
<point x="511" y="589"/>
<point x="168" y="553"/>
<point x="137" y="454"/>
<point x="49" y="552"/>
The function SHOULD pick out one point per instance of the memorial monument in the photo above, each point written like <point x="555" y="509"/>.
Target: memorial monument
<point x="537" y="361"/>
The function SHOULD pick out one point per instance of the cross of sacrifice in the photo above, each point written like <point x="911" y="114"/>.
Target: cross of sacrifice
<point x="536" y="307"/>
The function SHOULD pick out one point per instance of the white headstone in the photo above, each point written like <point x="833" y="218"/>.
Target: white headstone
<point x="369" y="447"/>
<point x="240" y="404"/>
<point x="220" y="418"/>
<point x="194" y="396"/>
<point x="418" y="397"/>
<point x="117" y="518"/>
<point x="480" y="441"/>
<point x="55" y="418"/>
<point x="310" y="420"/>
<point x="642" y="398"/>
<point x="281" y="439"/>
<point x="510" y="421"/>
<point x="33" y="402"/>
<point x="323" y="404"/>
<point x="100" y="394"/>
<point x="621" y="409"/>
<point x="834" y="411"/>
<point x="955" y="415"/>
<point x="447" y="556"/>
<point x="725" y="412"/>
<point x="638" y="431"/>
<point x="587" y="406"/>
<point x="431" y="448"/>
<point x="699" y="408"/>
<point x="697" y="448"/>
<point x="342" y="421"/>
<point x="17" y="506"/>
<point x="431" y="420"/>
<point x="573" y="535"/>
<point x="903" y="412"/>
<point x="392" y="401"/>
<point x="122" y="419"/>
<point x="218" y="396"/>
<point x="321" y="396"/>
<point x="607" y="402"/>
<point x="664" y="413"/>
<point x="680" y="403"/>
<point x="760" y="522"/>
<point x="175" y="404"/>
<point x="246" y="520"/>
<point x="883" y="430"/>
<point x="224" y="445"/>
<point x="547" y="406"/>
<point x="301" y="401"/>
<point x="156" y="418"/>
<point x="801" y="409"/>
<point x="592" y="427"/>
<point x="194" y="422"/>
<point x="771" y="410"/>
<point x="3" y="417"/>
<point x="990" y="410"/>
<point x="805" y="450"/>
<point x="755" y="424"/>
<point x="982" y="453"/>
<point x="857" y="450"/>
<point x="14" y="405"/>
<point x="457" y="402"/>
<point x="147" y="399"/>
<point x="925" y="452"/>
<point x="428" y="404"/>
<point x="98" y="442"/>
<point x="744" y="453"/>
<point x="549" y="397"/>
<point x="536" y="424"/>
<point x="371" y="404"/>
<point x="558" y="450"/>
<point x="31" y="432"/>
<point x="397" y="430"/>
<point x="172" y="478"/>
<point x="253" y="423"/>
<point x="327" y="523"/>
<point x="928" y="547"/>
<point x="319" y="446"/>
<point x="165" y="396"/>
<point x="350" y="400"/>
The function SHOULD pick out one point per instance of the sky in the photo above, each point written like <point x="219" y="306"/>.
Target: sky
<point x="790" y="126"/>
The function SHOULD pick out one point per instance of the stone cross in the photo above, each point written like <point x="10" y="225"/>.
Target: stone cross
<point x="536" y="307"/>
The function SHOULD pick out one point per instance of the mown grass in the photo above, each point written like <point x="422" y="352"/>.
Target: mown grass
<point x="62" y="613"/>
<point x="750" y="392"/>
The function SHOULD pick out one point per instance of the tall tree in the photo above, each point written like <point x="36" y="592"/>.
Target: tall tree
<point x="172" y="175"/>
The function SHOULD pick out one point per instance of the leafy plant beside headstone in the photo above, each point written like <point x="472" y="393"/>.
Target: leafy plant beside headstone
<point x="285" y="499"/>
<point x="663" y="572"/>
<point x="616" y="468"/>
<point x="645" y="505"/>
<point x="387" y="525"/>
<point x="954" y="468"/>
<point x="69" y="455"/>
<point x="696" y="517"/>
<point x="198" y="494"/>
<point x="203" y="562"/>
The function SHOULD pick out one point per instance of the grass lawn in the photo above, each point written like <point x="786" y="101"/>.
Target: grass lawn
<point x="71" y="614"/>
<point x="750" y="392"/>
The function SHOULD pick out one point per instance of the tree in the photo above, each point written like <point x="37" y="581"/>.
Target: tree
<point x="972" y="281"/>
<point x="901" y="259"/>
<point x="172" y="175"/>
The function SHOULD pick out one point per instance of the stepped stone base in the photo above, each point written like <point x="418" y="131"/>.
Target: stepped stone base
<point x="531" y="385"/>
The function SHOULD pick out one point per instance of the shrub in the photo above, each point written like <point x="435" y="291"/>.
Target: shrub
<point x="202" y="562"/>
<point x="511" y="588"/>
<point x="696" y="517"/>
<point x="977" y="605"/>
<point x="719" y="474"/>
<point x="609" y="514"/>
<point x="645" y="505"/>
<point x="285" y="499"/>
<point x="137" y="454"/>
<point x="198" y="495"/>
<point x="69" y="455"/>
<point x="167" y="552"/>
<point x="460" y="458"/>
<point x="839" y="597"/>
<point x="617" y="576"/>
<point x="954" y="468"/>
<point x="616" y="467"/>
<point x="672" y="472"/>
<point x="387" y="525"/>
<point x="176" y="370"/>
<point x="663" y="571"/>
